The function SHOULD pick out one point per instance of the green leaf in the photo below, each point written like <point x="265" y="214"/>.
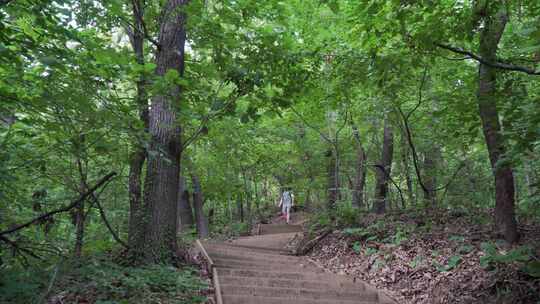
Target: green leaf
<point x="357" y="247"/>
<point x="532" y="268"/>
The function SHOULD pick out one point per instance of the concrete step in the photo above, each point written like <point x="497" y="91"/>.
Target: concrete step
<point x="284" y="283"/>
<point x="276" y="241"/>
<point x="308" y="275"/>
<point x="257" y="266"/>
<point x="234" y="255"/>
<point x="299" y="293"/>
<point x="275" y="265"/>
<point x="267" y="229"/>
<point x="246" y="248"/>
<point x="259" y="270"/>
<point x="241" y="299"/>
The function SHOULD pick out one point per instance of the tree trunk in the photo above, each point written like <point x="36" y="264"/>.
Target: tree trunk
<point x="407" y="168"/>
<point x="239" y="208"/>
<point x="79" y="226"/>
<point x="360" y="168"/>
<point x="257" y="199"/>
<point x="490" y="36"/>
<point x="247" y="199"/>
<point x="198" y="202"/>
<point x="332" y="180"/>
<point x="163" y="165"/>
<point x="431" y="159"/>
<point x="383" y="169"/>
<point x="185" y="213"/>
<point x="79" y="210"/>
<point x="138" y="156"/>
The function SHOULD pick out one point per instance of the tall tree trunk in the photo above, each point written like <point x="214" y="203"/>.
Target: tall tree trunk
<point x="247" y="199"/>
<point x="239" y="208"/>
<point x="198" y="203"/>
<point x="163" y="165"/>
<point x="79" y="210"/>
<point x="383" y="169"/>
<point x="332" y="180"/>
<point x="490" y="36"/>
<point x="407" y="168"/>
<point x="138" y="156"/>
<point x="431" y="160"/>
<point x="185" y="213"/>
<point x="257" y="199"/>
<point x="360" y="168"/>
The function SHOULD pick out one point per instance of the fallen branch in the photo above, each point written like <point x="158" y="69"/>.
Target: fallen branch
<point x="304" y="248"/>
<point x="72" y="205"/>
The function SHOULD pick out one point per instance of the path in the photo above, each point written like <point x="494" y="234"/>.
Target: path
<point x="258" y="270"/>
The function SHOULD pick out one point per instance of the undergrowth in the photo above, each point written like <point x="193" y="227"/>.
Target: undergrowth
<point x="99" y="280"/>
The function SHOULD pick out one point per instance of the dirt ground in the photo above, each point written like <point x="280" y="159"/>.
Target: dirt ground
<point x="437" y="258"/>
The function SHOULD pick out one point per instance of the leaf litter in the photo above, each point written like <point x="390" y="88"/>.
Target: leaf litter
<point x="433" y="259"/>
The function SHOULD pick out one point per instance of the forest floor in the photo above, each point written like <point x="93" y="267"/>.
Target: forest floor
<point x="101" y="279"/>
<point x="438" y="258"/>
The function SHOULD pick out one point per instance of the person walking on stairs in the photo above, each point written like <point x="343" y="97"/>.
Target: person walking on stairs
<point x="285" y="203"/>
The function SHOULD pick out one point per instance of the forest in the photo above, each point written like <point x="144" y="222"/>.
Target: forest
<point x="408" y="132"/>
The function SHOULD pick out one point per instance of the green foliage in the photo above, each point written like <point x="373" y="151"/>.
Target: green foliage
<point x="452" y="263"/>
<point x="399" y="236"/>
<point x="21" y="286"/>
<point x="532" y="268"/>
<point x="379" y="263"/>
<point x="493" y="257"/>
<point x="371" y="251"/>
<point x="239" y="228"/>
<point x="268" y="88"/>
<point x="466" y="248"/>
<point x="356" y="232"/>
<point x="357" y="247"/>
<point x="321" y="219"/>
<point x="101" y="280"/>
<point x="346" y="214"/>
<point x="416" y="261"/>
<point x="456" y="238"/>
<point x="149" y="284"/>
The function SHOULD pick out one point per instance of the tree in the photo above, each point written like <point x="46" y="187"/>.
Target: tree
<point x="163" y="165"/>
<point x="383" y="169"/>
<point x="495" y="18"/>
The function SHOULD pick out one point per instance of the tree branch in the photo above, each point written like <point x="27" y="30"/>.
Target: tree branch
<point x="104" y="218"/>
<point x="312" y="127"/>
<point x="63" y="209"/>
<point x="498" y="65"/>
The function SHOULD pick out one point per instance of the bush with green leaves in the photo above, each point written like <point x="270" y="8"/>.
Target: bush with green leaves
<point x="522" y="256"/>
<point x="346" y="214"/>
<point x="99" y="280"/>
<point x="239" y="228"/>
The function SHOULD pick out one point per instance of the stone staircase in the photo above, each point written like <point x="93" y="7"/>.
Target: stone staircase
<point x="258" y="270"/>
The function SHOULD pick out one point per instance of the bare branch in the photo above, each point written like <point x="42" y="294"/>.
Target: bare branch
<point x="420" y="90"/>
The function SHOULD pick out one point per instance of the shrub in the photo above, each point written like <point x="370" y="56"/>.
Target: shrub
<point x="346" y="214"/>
<point x="99" y="280"/>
